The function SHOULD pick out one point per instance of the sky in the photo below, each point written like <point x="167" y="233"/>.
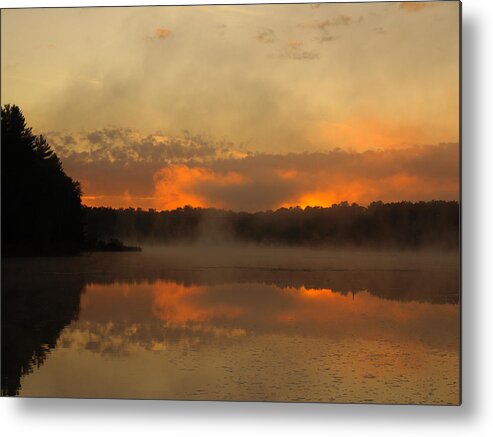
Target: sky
<point x="246" y="107"/>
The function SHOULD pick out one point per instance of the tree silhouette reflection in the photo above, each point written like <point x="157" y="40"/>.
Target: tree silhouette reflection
<point x="35" y="309"/>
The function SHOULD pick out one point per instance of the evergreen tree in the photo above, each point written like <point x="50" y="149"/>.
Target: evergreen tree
<point x="41" y="205"/>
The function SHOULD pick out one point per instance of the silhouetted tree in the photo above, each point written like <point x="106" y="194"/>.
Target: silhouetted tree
<point x="41" y="206"/>
<point x="383" y="225"/>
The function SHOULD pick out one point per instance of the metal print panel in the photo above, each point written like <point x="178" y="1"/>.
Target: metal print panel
<point x="240" y="202"/>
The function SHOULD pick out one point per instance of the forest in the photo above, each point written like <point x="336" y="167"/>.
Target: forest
<point x="379" y="225"/>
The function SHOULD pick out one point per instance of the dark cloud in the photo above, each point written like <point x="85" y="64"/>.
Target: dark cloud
<point x="341" y="20"/>
<point x="120" y="167"/>
<point x="300" y="55"/>
<point x="262" y="181"/>
<point x="68" y="140"/>
<point x="294" y="49"/>
<point x="127" y="146"/>
<point x="325" y="38"/>
<point x="118" y="163"/>
<point x="325" y="27"/>
<point x="379" y="30"/>
<point x="113" y="180"/>
<point x="95" y="137"/>
<point x="266" y="35"/>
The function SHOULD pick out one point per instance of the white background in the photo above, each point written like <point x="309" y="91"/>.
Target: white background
<point x="71" y="417"/>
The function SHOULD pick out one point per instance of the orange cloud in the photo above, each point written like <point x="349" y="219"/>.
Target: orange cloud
<point x="163" y="33"/>
<point x="368" y="132"/>
<point x="262" y="182"/>
<point x="181" y="185"/>
<point x="294" y="50"/>
<point x="364" y="191"/>
<point x="414" y="6"/>
<point x="294" y="44"/>
<point x="288" y="174"/>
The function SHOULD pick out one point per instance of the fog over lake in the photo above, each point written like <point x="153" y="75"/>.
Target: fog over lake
<point x="235" y="323"/>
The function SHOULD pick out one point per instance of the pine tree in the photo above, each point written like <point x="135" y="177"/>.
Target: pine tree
<point x="41" y="205"/>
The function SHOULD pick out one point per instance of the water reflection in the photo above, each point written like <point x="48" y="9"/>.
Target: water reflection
<point x="166" y="312"/>
<point x="137" y="311"/>
<point x="35" y="308"/>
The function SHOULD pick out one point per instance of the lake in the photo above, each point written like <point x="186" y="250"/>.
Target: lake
<point x="234" y="323"/>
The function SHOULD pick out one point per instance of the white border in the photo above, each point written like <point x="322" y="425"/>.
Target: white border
<point x="58" y="417"/>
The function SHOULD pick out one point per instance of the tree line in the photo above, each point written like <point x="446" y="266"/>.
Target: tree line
<point x="399" y="225"/>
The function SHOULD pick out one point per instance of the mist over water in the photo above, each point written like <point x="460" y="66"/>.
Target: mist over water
<point x="237" y="322"/>
<point x="392" y="226"/>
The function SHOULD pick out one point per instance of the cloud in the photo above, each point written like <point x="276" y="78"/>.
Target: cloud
<point x="368" y="131"/>
<point x="294" y="44"/>
<point x="263" y="182"/>
<point x="325" y="27"/>
<point x="294" y="50"/>
<point x="414" y="6"/>
<point x="163" y="33"/>
<point x="325" y="38"/>
<point x="342" y="20"/>
<point x="68" y="140"/>
<point x="116" y="166"/>
<point x="160" y="33"/>
<point x="266" y="36"/>
<point x="121" y="168"/>
<point x="180" y="185"/>
<point x="95" y="137"/>
<point x="379" y="31"/>
<point x="128" y="146"/>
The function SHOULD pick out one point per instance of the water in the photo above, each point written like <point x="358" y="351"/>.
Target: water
<point x="234" y="323"/>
